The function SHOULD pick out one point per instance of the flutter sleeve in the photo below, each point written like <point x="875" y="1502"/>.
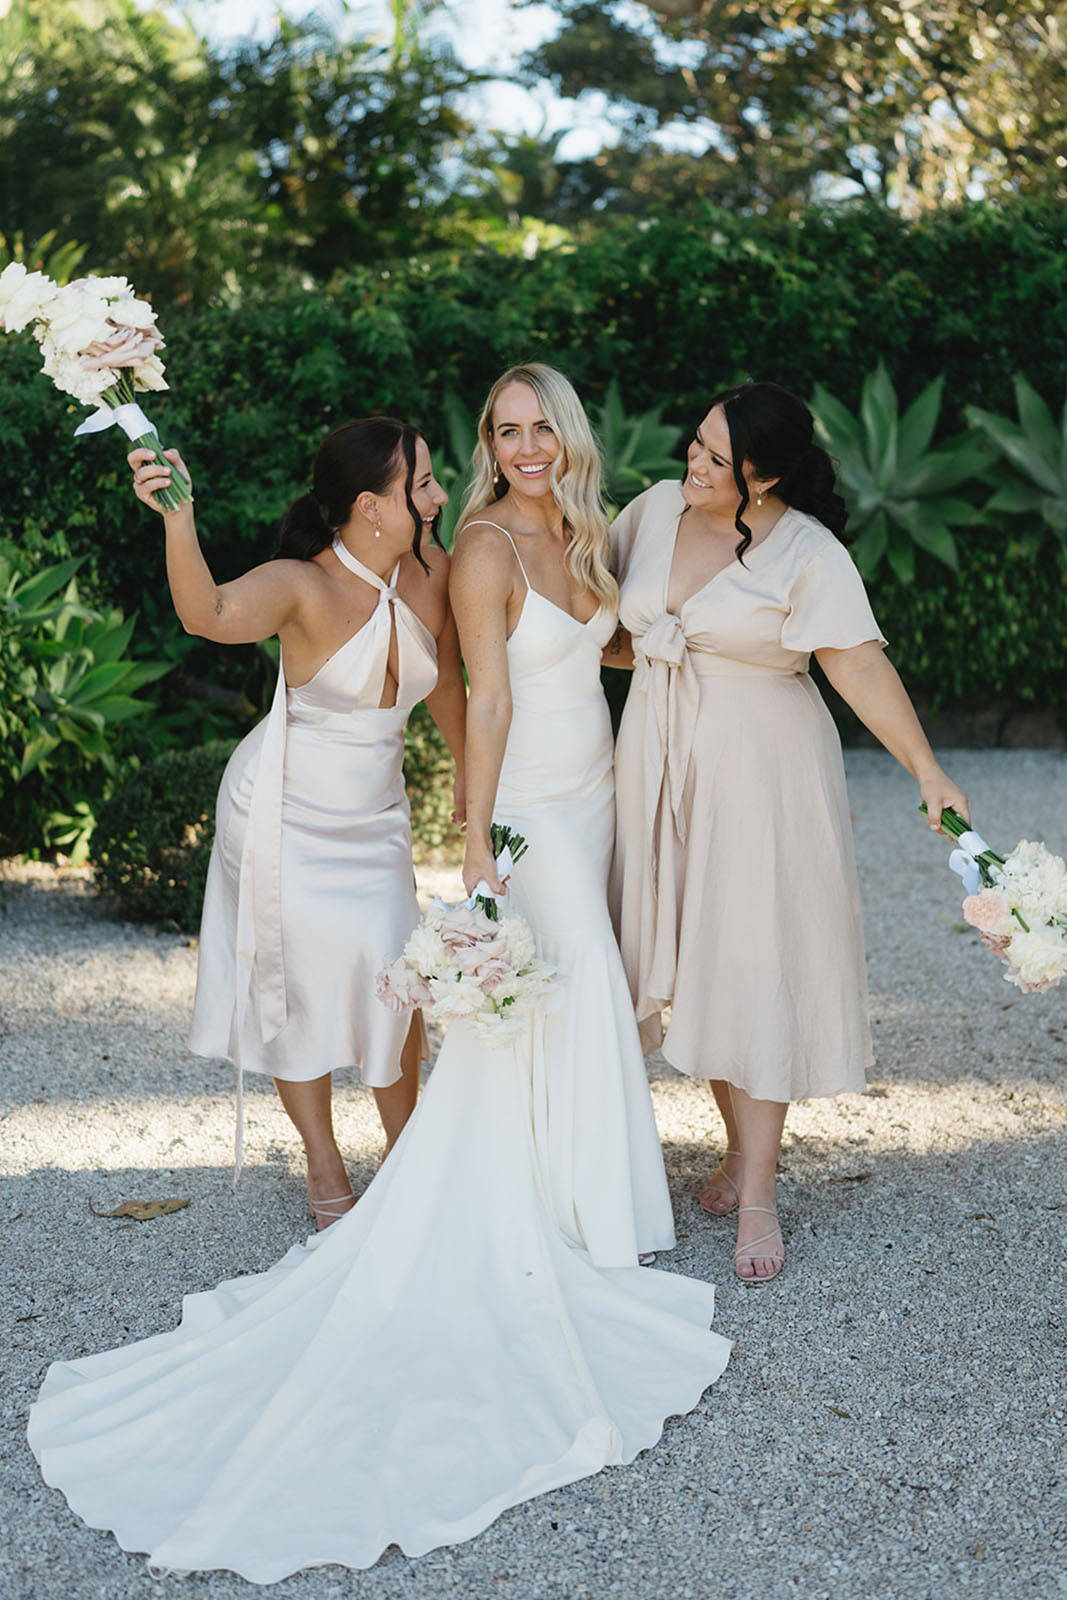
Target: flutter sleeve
<point x="623" y="533"/>
<point x="828" y="604"/>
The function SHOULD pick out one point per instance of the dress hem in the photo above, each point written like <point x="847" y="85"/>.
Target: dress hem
<point x="366" y="1082"/>
<point x="466" y="1528"/>
<point x="854" y="1085"/>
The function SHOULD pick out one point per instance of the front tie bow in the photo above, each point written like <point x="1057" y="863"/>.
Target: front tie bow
<point x="675" y="695"/>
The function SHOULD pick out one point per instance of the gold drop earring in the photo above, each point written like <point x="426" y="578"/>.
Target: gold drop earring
<point x="759" y="497"/>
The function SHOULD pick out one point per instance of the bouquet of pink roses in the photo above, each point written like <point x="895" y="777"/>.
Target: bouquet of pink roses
<point x="99" y="343"/>
<point x="466" y="962"/>
<point x="460" y="965"/>
<point x="1018" y="903"/>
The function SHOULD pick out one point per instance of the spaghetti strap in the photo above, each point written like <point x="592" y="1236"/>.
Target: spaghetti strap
<point x="483" y="522"/>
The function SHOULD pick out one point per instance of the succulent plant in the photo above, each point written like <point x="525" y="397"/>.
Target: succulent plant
<point x="898" y="490"/>
<point x="1030" y="473"/>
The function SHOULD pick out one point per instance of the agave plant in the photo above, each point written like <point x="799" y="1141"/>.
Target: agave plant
<point x="898" y="490"/>
<point x="65" y="685"/>
<point x="1031" y="472"/>
<point x="452" y="469"/>
<point x="638" y="447"/>
<point x="59" y="261"/>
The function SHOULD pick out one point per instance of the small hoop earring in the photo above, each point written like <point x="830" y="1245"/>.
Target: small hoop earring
<point x="496" y="468"/>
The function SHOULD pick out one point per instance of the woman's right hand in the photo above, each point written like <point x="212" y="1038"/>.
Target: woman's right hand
<point x="150" y="475"/>
<point x="478" y="865"/>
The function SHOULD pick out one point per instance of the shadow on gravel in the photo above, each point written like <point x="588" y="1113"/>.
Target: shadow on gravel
<point x="988" y="1180"/>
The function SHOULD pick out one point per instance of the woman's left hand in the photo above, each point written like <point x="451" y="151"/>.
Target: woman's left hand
<point x="941" y="794"/>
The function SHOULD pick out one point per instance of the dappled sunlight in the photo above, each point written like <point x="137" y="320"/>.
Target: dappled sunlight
<point x="169" y="1132"/>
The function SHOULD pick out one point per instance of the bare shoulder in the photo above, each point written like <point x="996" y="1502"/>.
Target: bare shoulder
<point x="482" y="550"/>
<point x="438" y="562"/>
<point x="286" y="573"/>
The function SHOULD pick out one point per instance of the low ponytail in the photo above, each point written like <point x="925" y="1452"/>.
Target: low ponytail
<point x="358" y="457"/>
<point x="811" y="486"/>
<point x="303" y="532"/>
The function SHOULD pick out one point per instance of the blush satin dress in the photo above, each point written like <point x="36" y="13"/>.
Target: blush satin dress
<point x="310" y="883"/>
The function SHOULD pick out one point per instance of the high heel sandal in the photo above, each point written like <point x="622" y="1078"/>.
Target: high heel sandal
<point x="321" y="1208"/>
<point x="750" y="1252"/>
<point x="726" y="1178"/>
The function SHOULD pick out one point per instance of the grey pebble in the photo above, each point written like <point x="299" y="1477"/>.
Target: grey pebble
<point x="924" y="1297"/>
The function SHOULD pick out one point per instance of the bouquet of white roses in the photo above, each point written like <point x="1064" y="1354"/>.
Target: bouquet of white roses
<point x="99" y="343"/>
<point x="1018" y="904"/>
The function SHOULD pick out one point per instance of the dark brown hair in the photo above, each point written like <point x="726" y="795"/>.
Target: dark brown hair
<point x="775" y="430"/>
<point x="356" y="458"/>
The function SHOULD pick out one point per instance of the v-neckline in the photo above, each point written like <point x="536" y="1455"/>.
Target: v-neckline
<point x="752" y="550"/>
<point x="530" y="590"/>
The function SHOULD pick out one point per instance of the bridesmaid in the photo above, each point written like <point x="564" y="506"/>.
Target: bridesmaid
<point x="310" y="885"/>
<point x="734" y="884"/>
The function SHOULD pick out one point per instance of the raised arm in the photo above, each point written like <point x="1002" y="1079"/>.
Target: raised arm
<point x="866" y="680"/>
<point x="255" y="606"/>
<point x="482" y="583"/>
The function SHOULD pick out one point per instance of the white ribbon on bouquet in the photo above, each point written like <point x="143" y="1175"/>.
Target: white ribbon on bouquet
<point x="964" y="860"/>
<point x="505" y="865"/>
<point x="130" y="418"/>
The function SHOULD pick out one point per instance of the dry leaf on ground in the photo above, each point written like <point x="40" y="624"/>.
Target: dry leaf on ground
<point x="142" y="1210"/>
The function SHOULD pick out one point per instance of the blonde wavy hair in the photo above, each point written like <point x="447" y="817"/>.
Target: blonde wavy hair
<point x="576" y="477"/>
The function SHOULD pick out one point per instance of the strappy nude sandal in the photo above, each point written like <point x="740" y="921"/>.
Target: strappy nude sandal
<point x="751" y="1251"/>
<point x="726" y="1178"/>
<point x="321" y="1208"/>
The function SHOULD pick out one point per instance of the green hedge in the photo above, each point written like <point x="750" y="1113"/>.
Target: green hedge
<point x="153" y="836"/>
<point x="995" y="634"/>
<point x="670" y="308"/>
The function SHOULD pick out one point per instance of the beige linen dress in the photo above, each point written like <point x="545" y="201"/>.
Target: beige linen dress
<point x="734" y="885"/>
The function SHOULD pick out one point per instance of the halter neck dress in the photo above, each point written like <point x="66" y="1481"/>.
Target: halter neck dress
<point x="310" y="885"/>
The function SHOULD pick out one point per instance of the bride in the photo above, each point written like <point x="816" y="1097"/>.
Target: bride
<point x="477" y="1330"/>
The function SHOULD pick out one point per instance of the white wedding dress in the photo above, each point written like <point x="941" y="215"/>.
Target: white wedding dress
<point x="476" y="1330"/>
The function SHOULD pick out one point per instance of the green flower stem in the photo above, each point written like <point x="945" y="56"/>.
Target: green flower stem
<point x="179" y="491"/>
<point x="955" y="825"/>
<point x="501" y="836"/>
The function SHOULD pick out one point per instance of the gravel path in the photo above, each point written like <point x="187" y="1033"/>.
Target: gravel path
<point x="892" y="1421"/>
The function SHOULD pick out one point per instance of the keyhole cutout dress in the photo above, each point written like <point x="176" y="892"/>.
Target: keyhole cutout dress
<point x="734" y="884"/>
<point x="310" y="886"/>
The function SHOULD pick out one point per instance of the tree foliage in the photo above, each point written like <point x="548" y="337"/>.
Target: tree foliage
<point x="917" y="102"/>
<point x="192" y="169"/>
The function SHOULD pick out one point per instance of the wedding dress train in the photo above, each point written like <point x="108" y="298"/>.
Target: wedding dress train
<point x="476" y="1330"/>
